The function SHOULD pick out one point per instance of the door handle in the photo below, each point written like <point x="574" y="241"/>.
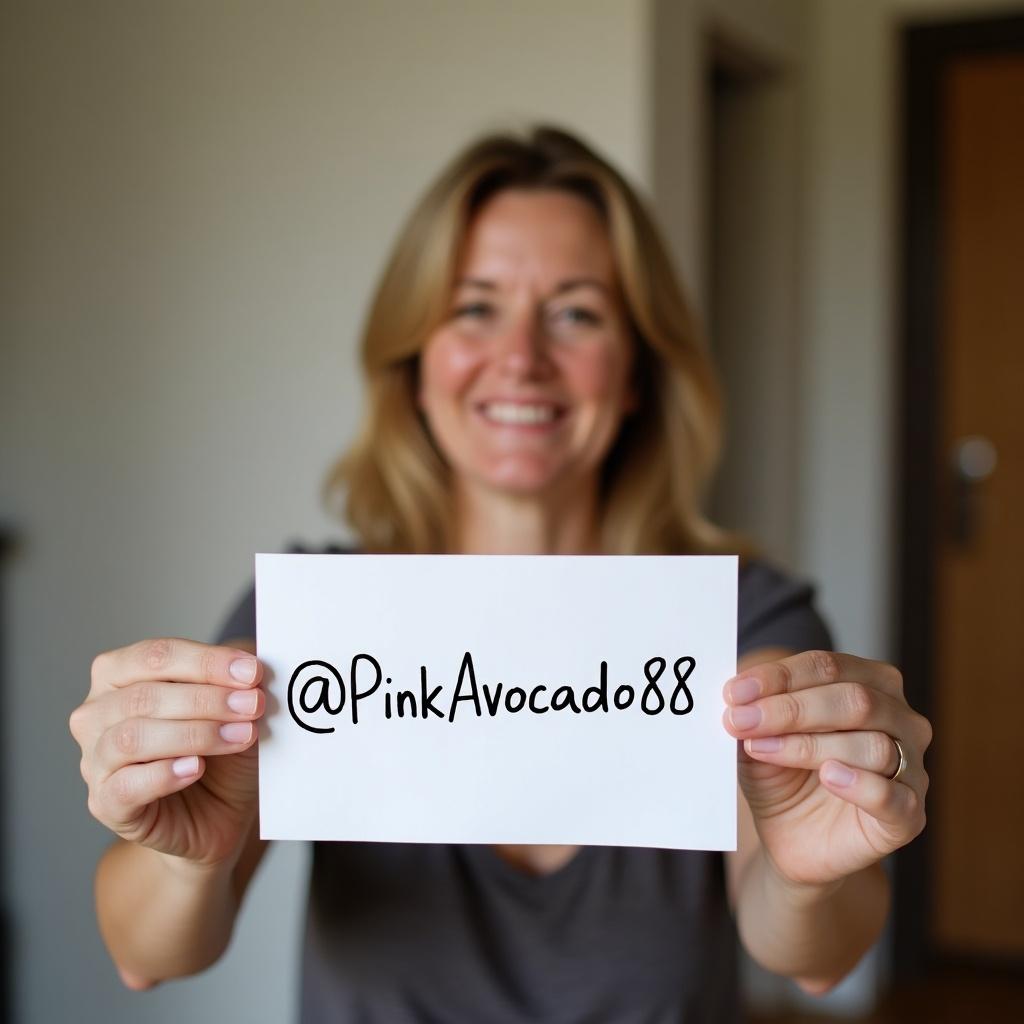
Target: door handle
<point x="974" y="461"/>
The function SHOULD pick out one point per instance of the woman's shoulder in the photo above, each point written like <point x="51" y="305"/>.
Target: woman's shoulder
<point x="299" y="548"/>
<point x="240" y="621"/>
<point x="777" y="609"/>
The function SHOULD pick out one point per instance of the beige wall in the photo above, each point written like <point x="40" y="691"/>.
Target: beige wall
<point x="196" y="198"/>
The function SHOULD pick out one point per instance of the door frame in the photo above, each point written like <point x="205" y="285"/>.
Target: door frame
<point x="926" y="53"/>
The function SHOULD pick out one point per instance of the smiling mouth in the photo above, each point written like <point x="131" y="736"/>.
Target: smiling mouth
<point x="521" y="414"/>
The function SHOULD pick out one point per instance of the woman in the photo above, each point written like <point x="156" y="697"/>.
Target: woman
<point x="535" y="387"/>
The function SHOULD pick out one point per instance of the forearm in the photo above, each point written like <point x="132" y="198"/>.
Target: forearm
<point x="815" y="935"/>
<point x="162" y="917"/>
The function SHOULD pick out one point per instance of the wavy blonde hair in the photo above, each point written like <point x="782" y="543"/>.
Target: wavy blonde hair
<point x="393" y="484"/>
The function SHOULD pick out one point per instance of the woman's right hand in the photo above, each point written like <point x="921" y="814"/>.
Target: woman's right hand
<point x="168" y="737"/>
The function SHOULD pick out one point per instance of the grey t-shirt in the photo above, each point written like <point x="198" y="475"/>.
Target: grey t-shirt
<point x="406" y="933"/>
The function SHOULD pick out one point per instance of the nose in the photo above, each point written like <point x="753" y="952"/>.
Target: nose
<point x="524" y="352"/>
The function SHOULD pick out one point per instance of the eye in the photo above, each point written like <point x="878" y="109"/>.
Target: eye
<point x="578" y="315"/>
<point x="473" y="311"/>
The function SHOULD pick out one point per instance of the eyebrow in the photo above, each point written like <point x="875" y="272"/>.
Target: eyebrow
<point x="563" y="286"/>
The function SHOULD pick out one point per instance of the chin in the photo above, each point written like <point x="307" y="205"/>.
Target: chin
<point x="524" y="481"/>
<point x="520" y="485"/>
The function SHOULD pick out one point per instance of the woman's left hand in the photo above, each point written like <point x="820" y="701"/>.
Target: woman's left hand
<point x="817" y="757"/>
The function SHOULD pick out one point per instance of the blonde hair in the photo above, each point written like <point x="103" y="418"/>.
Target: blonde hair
<point x="395" y="482"/>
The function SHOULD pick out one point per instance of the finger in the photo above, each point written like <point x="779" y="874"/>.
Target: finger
<point x="137" y="740"/>
<point x="121" y="801"/>
<point x="174" y="660"/>
<point x="896" y="807"/>
<point x="176" y="701"/>
<point x="871" y="751"/>
<point x="809" y="669"/>
<point x="136" y="982"/>
<point x="835" y="707"/>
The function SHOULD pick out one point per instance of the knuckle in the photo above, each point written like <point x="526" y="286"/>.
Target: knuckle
<point x="860" y="703"/>
<point x="790" y="711"/>
<point x="100" y="666"/>
<point x="77" y="723"/>
<point x="123" y="788"/>
<point x="881" y="752"/>
<point x="140" y="701"/>
<point x="83" y="768"/>
<point x="205" y="704"/>
<point x="194" y="738"/>
<point x="808" y="748"/>
<point x="127" y="737"/>
<point x="825" y="665"/>
<point x="895" y="676"/>
<point x="95" y="805"/>
<point x="208" y="664"/>
<point x="156" y="654"/>
<point x="785" y="677"/>
<point x="925" y="729"/>
<point x="913" y="805"/>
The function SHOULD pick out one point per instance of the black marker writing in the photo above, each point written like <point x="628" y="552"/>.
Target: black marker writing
<point x="428" y="699"/>
<point x="681" y="686"/>
<point x="357" y="694"/>
<point x="311" y="678"/>
<point x="466" y="671"/>
<point x="317" y="692"/>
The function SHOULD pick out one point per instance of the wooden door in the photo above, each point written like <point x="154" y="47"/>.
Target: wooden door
<point x="960" y="886"/>
<point x="978" y="760"/>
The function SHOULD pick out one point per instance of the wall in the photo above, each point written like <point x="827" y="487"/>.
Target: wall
<point x="196" y="198"/>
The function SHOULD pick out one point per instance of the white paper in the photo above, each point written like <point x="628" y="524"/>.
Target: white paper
<point x="617" y="777"/>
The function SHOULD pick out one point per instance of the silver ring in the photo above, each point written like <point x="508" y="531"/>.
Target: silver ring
<point x="902" y="766"/>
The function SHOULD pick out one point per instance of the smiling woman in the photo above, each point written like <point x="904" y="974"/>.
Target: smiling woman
<point x="535" y="387"/>
<point x="526" y="384"/>
<point x="530" y="337"/>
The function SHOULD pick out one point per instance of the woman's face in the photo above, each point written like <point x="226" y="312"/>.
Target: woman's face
<point x="527" y="381"/>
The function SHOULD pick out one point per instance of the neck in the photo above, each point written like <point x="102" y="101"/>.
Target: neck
<point x="491" y="523"/>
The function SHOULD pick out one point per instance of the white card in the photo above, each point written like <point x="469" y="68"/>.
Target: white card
<point x="497" y="699"/>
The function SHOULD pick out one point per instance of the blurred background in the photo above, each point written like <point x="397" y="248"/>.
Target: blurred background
<point x="195" y="199"/>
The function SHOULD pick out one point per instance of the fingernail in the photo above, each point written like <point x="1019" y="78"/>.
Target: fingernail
<point x="765" y="745"/>
<point x="742" y="691"/>
<point x="243" y="669"/>
<point x="236" y="732"/>
<point x="183" y="767"/>
<point x="837" y="774"/>
<point x="745" y="717"/>
<point x="243" y="702"/>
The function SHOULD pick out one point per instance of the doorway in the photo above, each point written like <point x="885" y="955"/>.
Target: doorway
<point x="752" y="196"/>
<point x="960" y="888"/>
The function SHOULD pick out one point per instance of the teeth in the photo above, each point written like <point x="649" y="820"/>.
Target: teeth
<point x="514" y="412"/>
